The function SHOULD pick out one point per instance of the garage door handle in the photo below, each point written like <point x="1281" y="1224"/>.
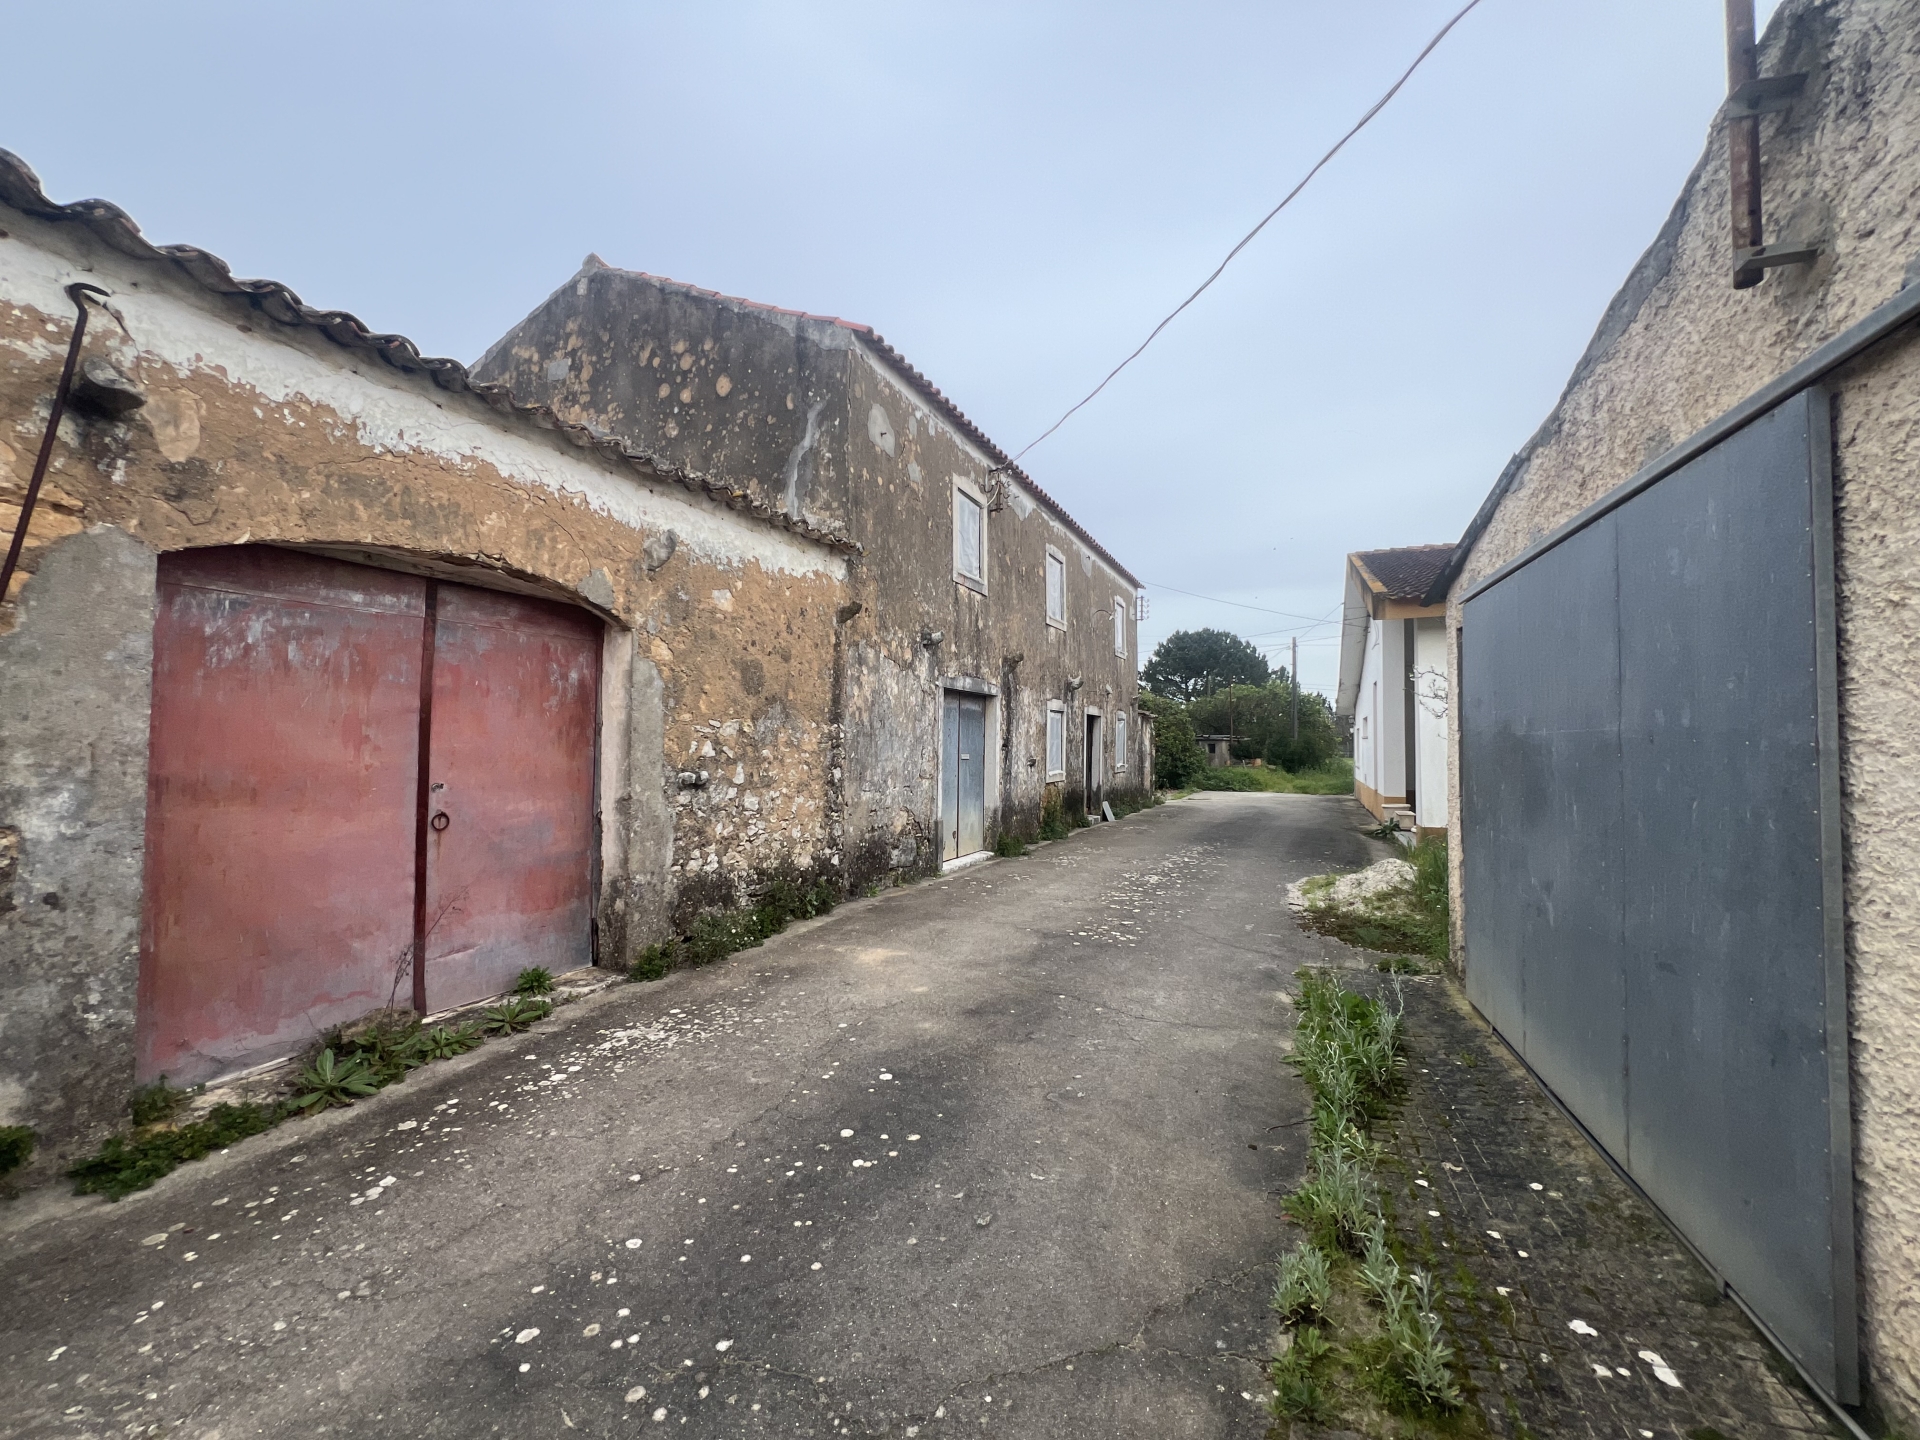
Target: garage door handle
<point x="440" y="821"/>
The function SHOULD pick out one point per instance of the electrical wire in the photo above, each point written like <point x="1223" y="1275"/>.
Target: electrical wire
<point x="1246" y="240"/>
<point x="1264" y="610"/>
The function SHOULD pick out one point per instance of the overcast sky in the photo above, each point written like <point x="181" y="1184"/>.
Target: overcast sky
<point x="1013" y="194"/>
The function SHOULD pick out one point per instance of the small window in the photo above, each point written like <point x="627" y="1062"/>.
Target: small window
<point x="969" y="539"/>
<point x="1056" y="588"/>
<point x="1120" y="741"/>
<point x="1119" y="625"/>
<point x="1056" y="742"/>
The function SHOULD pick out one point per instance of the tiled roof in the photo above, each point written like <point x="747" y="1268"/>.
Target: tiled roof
<point x="112" y="226"/>
<point x="1405" y="573"/>
<point x="929" y="392"/>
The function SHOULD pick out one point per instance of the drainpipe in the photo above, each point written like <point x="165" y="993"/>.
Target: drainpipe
<point x="77" y="293"/>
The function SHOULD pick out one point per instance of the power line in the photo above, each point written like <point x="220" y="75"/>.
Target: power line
<point x="1247" y="239"/>
<point x="1264" y="610"/>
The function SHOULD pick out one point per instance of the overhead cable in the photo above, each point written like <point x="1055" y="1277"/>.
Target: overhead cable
<point x="1246" y="240"/>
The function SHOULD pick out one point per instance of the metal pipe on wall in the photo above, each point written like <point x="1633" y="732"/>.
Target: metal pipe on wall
<point x="1743" y="140"/>
<point x="77" y="293"/>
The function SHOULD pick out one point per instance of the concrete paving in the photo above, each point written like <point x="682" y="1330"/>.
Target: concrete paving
<point x="991" y="1154"/>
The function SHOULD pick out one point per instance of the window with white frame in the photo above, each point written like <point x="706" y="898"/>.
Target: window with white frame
<point x="969" y="539"/>
<point x="1056" y="589"/>
<point x="1119" y="625"/>
<point x="1120" y="741"/>
<point x="1056" y="741"/>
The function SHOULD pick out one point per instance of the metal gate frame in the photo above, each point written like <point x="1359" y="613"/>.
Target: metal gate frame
<point x="1578" y="1081"/>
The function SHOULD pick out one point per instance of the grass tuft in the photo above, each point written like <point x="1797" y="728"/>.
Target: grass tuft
<point x="1333" y="778"/>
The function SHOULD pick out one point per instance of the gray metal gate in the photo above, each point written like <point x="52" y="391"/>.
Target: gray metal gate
<point x="1650" y="833"/>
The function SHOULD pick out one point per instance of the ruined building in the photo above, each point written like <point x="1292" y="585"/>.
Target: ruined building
<point x="335" y="676"/>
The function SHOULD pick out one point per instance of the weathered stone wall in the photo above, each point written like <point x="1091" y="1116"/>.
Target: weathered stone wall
<point x="814" y="416"/>
<point x="1677" y="347"/>
<point x="719" y="624"/>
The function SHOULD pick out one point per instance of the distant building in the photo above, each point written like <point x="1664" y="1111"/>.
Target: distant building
<point x="1393" y="684"/>
<point x="1219" y="748"/>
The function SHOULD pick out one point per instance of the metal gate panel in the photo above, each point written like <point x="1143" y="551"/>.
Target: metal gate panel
<point x="1683" y="887"/>
<point x="1540" y="747"/>
<point x="509" y="841"/>
<point x="1728" y="1102"/>
<point x="281" y="784"/>
<point x="973" y="775"/>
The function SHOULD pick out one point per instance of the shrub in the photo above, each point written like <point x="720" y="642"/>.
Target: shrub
<point x="1009" y="846"/>
<point x="1177" y="756"/>
<point x="16" y="1147"/>
<point x="126" y="1163"/>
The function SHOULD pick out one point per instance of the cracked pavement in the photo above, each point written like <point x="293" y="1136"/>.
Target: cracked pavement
<point x="998" y="1153"/>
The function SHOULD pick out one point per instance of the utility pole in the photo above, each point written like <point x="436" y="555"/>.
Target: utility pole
<point x="1294" y="671"/>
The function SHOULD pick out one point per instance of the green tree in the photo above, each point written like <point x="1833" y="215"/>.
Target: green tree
<point x="1319" y="739"/>
<point x="1261" y="719"/>
<point x="1191" y="663"/>
<point x="1177" y="756"/>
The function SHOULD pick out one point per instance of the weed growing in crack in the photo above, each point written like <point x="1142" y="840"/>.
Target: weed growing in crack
<point x="1304" y="1285"/>
<point x="718" y="933"/>
<point x="515" y="1015"/>
<point x="534" y="980"/>
<point x="330" y="1081"/>
<point x="1348" y="1050"/>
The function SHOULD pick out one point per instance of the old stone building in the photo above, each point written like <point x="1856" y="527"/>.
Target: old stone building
<point x="336" y="677"/>
<point x="1682" y="631"/>
<point x="976" y="601"/>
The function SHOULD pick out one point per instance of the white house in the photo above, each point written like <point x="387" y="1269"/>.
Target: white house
<point x="1393" y="684"/>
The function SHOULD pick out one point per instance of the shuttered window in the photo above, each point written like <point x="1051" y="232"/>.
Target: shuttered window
<point x="1056" y="742"/>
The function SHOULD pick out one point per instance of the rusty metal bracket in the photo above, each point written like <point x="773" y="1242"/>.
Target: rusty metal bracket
<point x="1765" y="95"/>
<point x="77" y="293"/>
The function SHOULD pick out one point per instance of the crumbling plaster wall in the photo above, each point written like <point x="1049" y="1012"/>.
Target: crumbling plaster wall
<point x="1677" y="347"/>
<point x="807" y="414"/>
<point x="255" y="432"/>
<point x="905" y="460"/>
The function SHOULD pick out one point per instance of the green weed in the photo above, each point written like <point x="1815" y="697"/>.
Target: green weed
<point x="126" y="1163"/>
<point x="515" y="1015"/>
<point x="443" y="1042"/>
<point x="534" y="980"/>
<point x="155" y="1103"/>
<point x="330" y="1081"/>
<point x="1303" y="1287"/>
<point x="719" y="933"/>
<point x="1009" y="846"/>
<point x="16" y="1147"/>
<point x="1333" y="778"/>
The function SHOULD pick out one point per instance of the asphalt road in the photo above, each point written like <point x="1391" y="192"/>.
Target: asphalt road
<point x="991" y="1154"/>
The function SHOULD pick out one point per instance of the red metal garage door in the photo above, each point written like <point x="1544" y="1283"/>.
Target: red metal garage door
<point x="515" y="686"/>
<point x="291" y="863"/>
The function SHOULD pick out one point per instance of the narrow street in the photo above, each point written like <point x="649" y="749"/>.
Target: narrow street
<point x="990" y="1154"/>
